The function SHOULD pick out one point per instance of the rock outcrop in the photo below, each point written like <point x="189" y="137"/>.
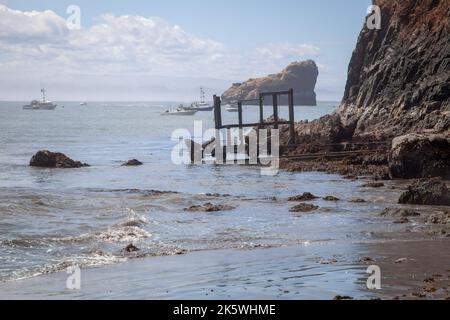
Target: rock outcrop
<point x="426" y="192"/>
<point x="47" y="159"/>
<point x="420" y="156"/>
<point x="398" y="84"/>
<point x="300" y="76"/>
<point x="399" y="76"/>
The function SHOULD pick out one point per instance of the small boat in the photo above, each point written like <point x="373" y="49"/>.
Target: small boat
<point x="83" y="103"/>
<point x="202" y="105"/>
<point x="231" y="108"/>
<point x="41" y="105"/>
<point x="180" y="111"/>
<point x="198" y="106"/>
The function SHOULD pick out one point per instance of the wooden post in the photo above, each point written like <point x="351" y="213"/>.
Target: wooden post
<point x="217" y="112"/>
<point x="275" y="110"/>
<point x="291" y="118"/>
<point x="261" y="109"/>
<point x="240" y="114"/>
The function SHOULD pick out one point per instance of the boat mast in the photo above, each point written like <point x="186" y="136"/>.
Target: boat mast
<point x="202" y="95"/>
<point x="43" y="94"/>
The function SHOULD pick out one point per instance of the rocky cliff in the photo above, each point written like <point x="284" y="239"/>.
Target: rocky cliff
<point x="399" y="76"/>
<point x="301" y="76"/>
<point x="397" y="99"/>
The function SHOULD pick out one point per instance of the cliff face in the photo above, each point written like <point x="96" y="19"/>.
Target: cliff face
<point x="399" y="76"/>
<point x="301" y="76"/>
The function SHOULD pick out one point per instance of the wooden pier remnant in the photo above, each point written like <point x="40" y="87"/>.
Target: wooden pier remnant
<point x="262" y="123"/>
<point x="257" y="145"/>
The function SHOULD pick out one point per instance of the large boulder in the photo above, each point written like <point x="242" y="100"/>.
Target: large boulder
<point x="47" y="159"/>
<point x="426" y="192"/>
<point x="420" y="156"/>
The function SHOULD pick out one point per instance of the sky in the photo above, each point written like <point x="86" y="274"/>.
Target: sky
<point x="165" y="50"/>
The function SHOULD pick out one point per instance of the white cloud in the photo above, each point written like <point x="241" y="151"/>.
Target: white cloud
<point x="32" y="26"/>
<point x="287" y="51"/>
<point x="41" y="44"/>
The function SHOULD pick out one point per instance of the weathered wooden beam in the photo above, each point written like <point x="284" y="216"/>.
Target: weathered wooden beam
<point x="275" y="110"/>
<point x="250" y="125"/>
<point x="217" y="112"/>
<point x="275" y="92"/>
<point x="292" y="138"/>
<point x="240" y="114"/>
<point x="261" y="108"/>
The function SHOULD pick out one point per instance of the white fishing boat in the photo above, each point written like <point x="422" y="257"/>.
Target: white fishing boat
<point x="41" y="105"/>
<point x="231" y="107"/>
<point x="83" y="103"/>
<point x="180" y="111"/>
<point x="202" y="105"/>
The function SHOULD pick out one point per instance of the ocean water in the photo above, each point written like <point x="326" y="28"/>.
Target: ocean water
<point x="54" y="218"/>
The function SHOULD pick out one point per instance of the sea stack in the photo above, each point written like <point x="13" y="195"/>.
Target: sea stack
<point x="300" y="76"/>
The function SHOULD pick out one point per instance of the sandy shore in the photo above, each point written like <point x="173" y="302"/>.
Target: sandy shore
<point x="310" y="271"/>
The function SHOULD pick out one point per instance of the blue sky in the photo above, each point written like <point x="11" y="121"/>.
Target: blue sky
<point x="249" y="36"/>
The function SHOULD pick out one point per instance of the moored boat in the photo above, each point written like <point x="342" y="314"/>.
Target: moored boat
<point x="41" y="105"/>
<point x="202" y="105"/>
<point x="180" y="111"/>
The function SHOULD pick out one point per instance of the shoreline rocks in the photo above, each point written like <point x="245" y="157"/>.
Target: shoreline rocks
<point x="373" y="185"/>
<point x="131" y="248"/>
<point x="426" y="192"/>
<point x="47" y="159"/>
<point x="303" y="208"/>
<point x="420" y="156"/>
<point x="400" y="213"/>
<point x="209" y="207"/>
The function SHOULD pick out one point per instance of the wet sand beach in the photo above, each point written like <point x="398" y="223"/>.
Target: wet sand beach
<point x="310" y="271"/>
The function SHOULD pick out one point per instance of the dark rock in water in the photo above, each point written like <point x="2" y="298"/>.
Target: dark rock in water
<point x="304" y="207"/>
<point x="366" y="260"/>
<point x="209" y="207"/>
<point x="331" y="198"/>
<point x="373" y="185"/>
<point x="420" y="156"/>
<point x="357" y="201"/>
<point x="131" y="248"/>
<point x="402" y="213"/>
<point x="401" y="220"/>
<point x="300" y="76"/>
<point x="47" y="159"/>
<point x="339" y="297"/>
<point x="307" y="196"/>
<point x="131" y="163"/>
<point x="426" y="192"/>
